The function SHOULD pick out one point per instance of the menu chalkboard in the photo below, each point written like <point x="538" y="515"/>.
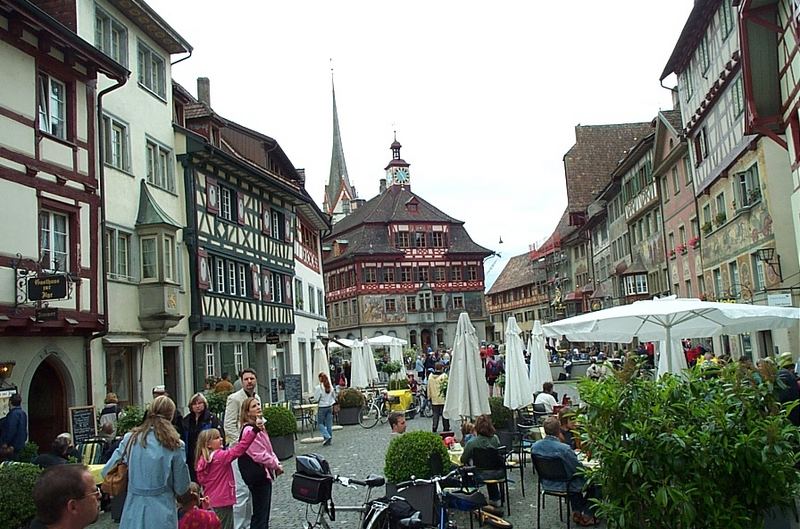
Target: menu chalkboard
<point x="292" y="388"/>
<point x="273" y="390"/>
<point x="82" y="423"/>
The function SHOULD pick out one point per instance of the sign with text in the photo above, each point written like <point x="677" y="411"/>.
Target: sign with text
<point x="272" y="339"/>
<point x="292" y="388"/>
<point x="82" y="423"/>
<point x="41" y="288"/>
<point x="273" y="390"/>
<point x="784" y="299"/>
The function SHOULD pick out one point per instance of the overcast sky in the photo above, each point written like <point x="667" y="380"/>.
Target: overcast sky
<point x="484" y="96"/>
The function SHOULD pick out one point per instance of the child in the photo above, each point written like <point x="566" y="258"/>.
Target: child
<point x="192" y="513"/>
<point x="213" y="466"/>
<point x="467" y="432"/>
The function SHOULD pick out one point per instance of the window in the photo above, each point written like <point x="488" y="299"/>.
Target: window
<point x="226" y="203"/>
<point x="747" y="187"/>
<point x="675" y="181"/>
<point x="320" y="303"/>
<point x="159" y="168"/>
<point x="220" y="275"/>
<point x="439" y="274"/>
<point x="687" y="82"/>
<point x="726" y="18"/>
<point x="420" y="239"/>
<point x="717" y="283"/>
<point x="425" y="301"/>
<point x="52" y="106"/>
<point x="118" y="254"/>
<point x="636" y="284"/>
<point x="759" y="276"/>
<point x="275" y="224"/>
<point x="169" y="261"/>
<point x="243" y="276"/>
<point x="238" y="357"/>
<point x="738" y="97"/>
<point x="707" y="215"/>
<point x="720" y="203"/>
<point x="733" y="273"/>
<point x="405" y="274"/>
<point x="456" y="273"/>
<point x="298" y="294"/>
<point x="437" y="301"/>
<point x="389" y="305"/>
<point x="276" y="288"/>
<point x="388" y="274"/>
<point x="437" y="239"/>
<point x="370" y="275"/>
<point x="149" y="250"/>
<point x="116" y="143"/>
<point x="703" y="55"/>
<point x="423" y="274"/>
<point x="411" y="303"/>
<point x="701" y="146"/>
<point x="110" y="36"/>
<point x="472" y="272"/>
<point x="458" y="301"/>
<point x="688" y="286"/>
<point x="231" y="278"/>
<point x="682" y="235"/>
<point x="403" y="239"/>
<point x="311" y="299"/>
<point x="152" y="71"/>
<point x="665" y="189"/>
<point x="54" y="240"/>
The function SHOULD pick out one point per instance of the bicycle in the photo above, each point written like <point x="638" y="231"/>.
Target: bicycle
<point x="421" y="402"/>
<point x="376" y="409"/>
<point x="462" y="498"/>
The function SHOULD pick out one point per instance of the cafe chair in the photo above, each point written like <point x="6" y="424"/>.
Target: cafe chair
<point x="552" y="469"/>
<point x="512" y="443"/>
<point x="490" y="467"/>
<point x="91" y="451"/>
<point x="539" y="413"/>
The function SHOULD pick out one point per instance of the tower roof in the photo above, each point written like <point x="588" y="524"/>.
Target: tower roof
<point x="338" y="178"/>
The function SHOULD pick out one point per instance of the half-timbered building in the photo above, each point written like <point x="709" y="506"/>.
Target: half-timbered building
<point x="520" y="291"/>
<point x="243" y="196"/>
<point x="51" y="302"/>
<point x="399" y="266"/>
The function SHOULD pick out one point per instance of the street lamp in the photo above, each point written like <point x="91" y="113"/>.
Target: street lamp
<point x="768" y="255"/>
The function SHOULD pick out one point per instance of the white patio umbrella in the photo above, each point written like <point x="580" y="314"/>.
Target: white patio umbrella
<point x="671" y="356"/>
<point x="385" y="340"/>
<point x="359" y="377"/>
<point x="340" y="343"/>
<point x="369" y="362"/>
<point x="540" y="367"/>
<point x="320" y="362"/>
<point x="518" y="392"/>
<point x="467" y="392"/>
<point x="671" y="317"/>
<point x="396" y="355"/>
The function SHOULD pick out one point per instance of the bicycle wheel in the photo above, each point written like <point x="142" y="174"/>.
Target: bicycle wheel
<point x="427" y="409"/>
<point x="368" y="416"/>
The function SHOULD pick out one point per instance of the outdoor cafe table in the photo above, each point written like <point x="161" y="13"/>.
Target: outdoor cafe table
<point x="306" y="413"/>
<point x="96" y="471"/>
<point x="455" y="454"/>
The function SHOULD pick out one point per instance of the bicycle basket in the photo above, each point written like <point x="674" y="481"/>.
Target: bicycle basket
<point x="312" y="465"/>
<point x="311" y="489"/>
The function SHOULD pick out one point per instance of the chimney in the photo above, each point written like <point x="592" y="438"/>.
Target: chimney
<point x="382" y="186"/>
<point x="301" y="174"/>
<point x="676" y="102"/>
<point x="204" y="90"/>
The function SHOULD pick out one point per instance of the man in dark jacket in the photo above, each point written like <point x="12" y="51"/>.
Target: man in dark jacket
<point x="14" y="427"/>
<point x="787" y="385"/>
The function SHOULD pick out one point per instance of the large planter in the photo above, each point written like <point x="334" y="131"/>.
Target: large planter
<point x="348" y="416"/>
<point x="421" y="497"/>
<point x="283" y="446"/>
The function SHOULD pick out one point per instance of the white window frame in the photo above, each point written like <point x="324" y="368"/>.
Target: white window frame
<point x="145" y="267"/>
<point x="320" y="303"/>
<point x="737" y="95"/>
<point x="458" y="301"/>
<point x="238" y="357"/>
<point x="211" y="360"/>
<point x="231" y="278"/>
<point x="275" y="225"/>
<point x="311" y="299"/>
<point x="225" y="203"/>
<point x="110" y="36"/>
<point x="53" y="241"/>
<point x="118" y="254"/>
<point x="152" y="68"/>
<point x="243" y="276"/>
<point x="52" y="105"/>
<point x="747" y="186"/>
<point x="160" y="172"/>
<point x="759" y="274"/>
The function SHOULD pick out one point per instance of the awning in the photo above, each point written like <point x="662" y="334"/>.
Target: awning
<point x="122" y="339"/>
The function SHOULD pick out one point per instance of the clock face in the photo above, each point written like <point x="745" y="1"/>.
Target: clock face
<point x="401" y="176"/>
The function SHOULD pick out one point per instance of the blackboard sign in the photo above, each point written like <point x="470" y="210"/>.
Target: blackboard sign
<point x="82" y="423"/>
<point x="273" y="390"/>
<point x="293" y="388"/>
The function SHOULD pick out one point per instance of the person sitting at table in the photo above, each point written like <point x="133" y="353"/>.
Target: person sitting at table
<point x="485" y="438"/>
<point x="467" y="432"/>
<point x="567" y="435"/>
<point x="56" y="456"/>
<point x="546" y="397"/>
<point x="552" y="447"/>
<point x="397" y="421"/>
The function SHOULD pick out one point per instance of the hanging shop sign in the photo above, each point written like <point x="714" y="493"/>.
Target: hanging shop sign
<point x="46" y="287"/>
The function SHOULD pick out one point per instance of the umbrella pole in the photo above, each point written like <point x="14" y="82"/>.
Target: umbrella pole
<point x="669" y="348"/>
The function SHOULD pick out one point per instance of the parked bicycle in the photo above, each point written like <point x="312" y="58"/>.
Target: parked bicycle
<point x="377" y="408"/>
<point x="421" y="402"/>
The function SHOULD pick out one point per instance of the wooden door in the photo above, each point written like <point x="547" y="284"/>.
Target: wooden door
<point x="46" y="405"/>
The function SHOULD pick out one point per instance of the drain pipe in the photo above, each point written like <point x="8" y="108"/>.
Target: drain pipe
<point x="101" y="176"/>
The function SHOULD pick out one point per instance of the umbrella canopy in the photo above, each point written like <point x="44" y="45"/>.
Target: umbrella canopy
<point x="518" y="392"/>
<point x="385" y="340"/>
<point x="340" y="343"/>
<point x="467" y="392"/>
<point x="540" y="367"/>
<point x="396" y="355"/>
<point x="663" y="319"/>
<point x="320" y="362"/>
<point x="369" y="362"/>
<point x="359" y="377"/>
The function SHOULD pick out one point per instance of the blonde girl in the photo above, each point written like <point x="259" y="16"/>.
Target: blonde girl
<point x="214" y="472"/>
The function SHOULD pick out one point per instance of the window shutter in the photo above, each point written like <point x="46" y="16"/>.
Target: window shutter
<point x="288" y="234"/>
<point x="287" y="283"/>
<point x="240" y="207"/>
<point x="266" y="212"/>
<point x="265" y="278"/>
<point x="212" y="196"/>
<point x="255" y="274"/>
<point x="203" y="270"/>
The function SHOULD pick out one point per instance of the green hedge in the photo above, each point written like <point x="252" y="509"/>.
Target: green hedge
<point x="131" y="417"/>
<point x="279" y="421"/>
<point x="501" y="416"/>
<point x="16" y="494"/>
<point x="398" y="384"/>
<point x="410" y="455"/>
<point x="351" y="398"/>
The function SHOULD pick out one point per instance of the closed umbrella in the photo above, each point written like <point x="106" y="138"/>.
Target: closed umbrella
<point x="369" y="362"/>
<point x="518" y="392"/>
<point x="467" y="392"/>
<point x="359" y="377"/>
<point x="396" y="355"/>
<point x="540" y="367"/>
<point x="670" y="319"/>
<point x="320" y="362"/>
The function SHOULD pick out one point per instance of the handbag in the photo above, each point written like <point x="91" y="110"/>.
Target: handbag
<point x="253" y="474"/>
<point x="337" y="408"/>
<point x="115" y="482"/>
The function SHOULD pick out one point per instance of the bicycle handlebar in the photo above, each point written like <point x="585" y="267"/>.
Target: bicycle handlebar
<point x="435" y="479"/>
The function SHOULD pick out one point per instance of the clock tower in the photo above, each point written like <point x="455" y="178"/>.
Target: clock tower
<point x="397" y="173"/>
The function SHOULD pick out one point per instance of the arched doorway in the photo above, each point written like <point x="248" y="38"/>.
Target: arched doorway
<point x="425" y="337"/>
<point x="46" y="405"/>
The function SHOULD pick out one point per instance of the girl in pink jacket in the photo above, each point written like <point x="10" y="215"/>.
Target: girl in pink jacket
<point x="214" y="473"/>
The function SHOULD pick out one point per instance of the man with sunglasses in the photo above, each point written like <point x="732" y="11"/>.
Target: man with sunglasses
<point x="66" y="497"/>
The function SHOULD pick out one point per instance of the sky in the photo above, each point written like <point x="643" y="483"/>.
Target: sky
<point x="483" y="96"/>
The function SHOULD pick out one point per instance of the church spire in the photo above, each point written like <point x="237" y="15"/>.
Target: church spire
<point x="338" y="192"/>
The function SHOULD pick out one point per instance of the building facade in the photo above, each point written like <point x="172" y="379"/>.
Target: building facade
<point x="399" y="266"/>
<point x="520" y="291"/>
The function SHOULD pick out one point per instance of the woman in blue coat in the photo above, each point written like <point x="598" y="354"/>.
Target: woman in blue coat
<point x="198" y="419"/>
<point x="157" y="470"/>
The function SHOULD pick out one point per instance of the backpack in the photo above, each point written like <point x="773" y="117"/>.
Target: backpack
<point x="494" y="369"/>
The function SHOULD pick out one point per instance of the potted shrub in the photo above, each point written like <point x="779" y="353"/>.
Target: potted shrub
<point x="720" y="218"/>
<point x="502" y="417"/>
<point x="350" y="402"/>
<point x="694" y="242"/>
<point x="131" y="417"/>
<point x="707" y="228"/>
<point x="672" y="253"/>
<point x="398" y="384"/>
<point x="700" y="450"/>
<point x="16" y="494"/>
<point x="281" y="425"/>
<point x="419" y="454"/>
<point x="681" y="248"/>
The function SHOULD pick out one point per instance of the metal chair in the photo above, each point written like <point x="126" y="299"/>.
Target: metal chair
<point x="490" y="462"/>
<point x="512" y="443"/>
<point x="552" y="469"/>
<point x="91" y="451"/>
<point x="539" y="413"/>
